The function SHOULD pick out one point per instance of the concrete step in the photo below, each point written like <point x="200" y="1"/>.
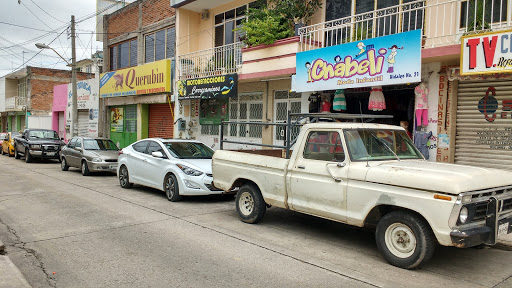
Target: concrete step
<point x="10" y="276"/>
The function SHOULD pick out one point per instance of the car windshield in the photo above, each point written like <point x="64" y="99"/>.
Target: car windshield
<point x="43" y="134"/>
<point x="189" y="150"/>
<point x="378" y="144"/>
<point x="99" y="144"/>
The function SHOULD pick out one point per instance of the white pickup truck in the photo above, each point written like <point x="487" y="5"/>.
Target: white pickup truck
<point x="371" y="175"/>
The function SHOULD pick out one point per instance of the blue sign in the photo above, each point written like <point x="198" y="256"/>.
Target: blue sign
<point x="387" y="60"/>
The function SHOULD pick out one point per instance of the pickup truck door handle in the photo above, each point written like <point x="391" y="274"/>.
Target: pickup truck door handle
<point x="301" y="166"/>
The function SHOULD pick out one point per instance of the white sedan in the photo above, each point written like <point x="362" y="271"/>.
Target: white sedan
<point x="178" y="167"/>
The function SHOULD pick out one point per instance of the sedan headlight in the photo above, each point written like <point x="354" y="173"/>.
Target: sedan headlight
<point x="463" y="216"/>
<point x="189" y="171"/>
<point x="35" y="146"/>
<point x="96" y="159"/>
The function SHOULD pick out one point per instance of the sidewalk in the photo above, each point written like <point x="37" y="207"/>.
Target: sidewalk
<point x="10" y="276"/>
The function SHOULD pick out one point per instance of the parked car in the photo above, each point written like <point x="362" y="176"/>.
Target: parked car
<point x="37" y="143"/>
<point x="8" y="143"/>
<point x="90" y="155"/>
<point x="177" y="167"/>
<point x="372" y="175"/>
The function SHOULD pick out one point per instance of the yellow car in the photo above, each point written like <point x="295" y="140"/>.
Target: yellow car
<point x="8" y="143"/>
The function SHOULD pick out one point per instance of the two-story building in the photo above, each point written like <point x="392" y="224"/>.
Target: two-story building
<point x="453" y="106"/>
<point x="139" y="45"/>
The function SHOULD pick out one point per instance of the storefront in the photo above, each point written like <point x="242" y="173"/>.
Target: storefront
<point x="60" y="102"/>
<point x="378" y="76"/>
<point x="138" y="102"/>
<point x="484" y="102"/>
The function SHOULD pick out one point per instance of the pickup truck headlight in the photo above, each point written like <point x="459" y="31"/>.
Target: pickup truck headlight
<point x="463" y="215"/>
<point x="96" y="159"/>
<point x="35" y="146"/>
<point x="189" y="171"/>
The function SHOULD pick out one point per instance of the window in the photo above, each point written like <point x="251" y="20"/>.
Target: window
<point x="189" y="150"/>
<point x="155" y="147"/>
<point x="227" y="22"/>
<point x="325" y="146"/>
<point x="140" y="146"/>
<point x="130" y="121"/>
<point x="72" y="143"/>
<point x="160" y="45"/>
<point x="78" y="143"/>
<point x="479" y="14"/>
<point x="123" y="55"/>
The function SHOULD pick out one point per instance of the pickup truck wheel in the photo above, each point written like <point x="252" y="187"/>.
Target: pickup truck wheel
<point x="64" y="165"/>
<point x="124" y="178"/>
<point x="404" y="239"/>
<point x="172" y="189"/>
<point x="16" y="154"/>
<point x="28" y="157"/>
<point x="85" y="169"/>
<point x="250" y="204"/>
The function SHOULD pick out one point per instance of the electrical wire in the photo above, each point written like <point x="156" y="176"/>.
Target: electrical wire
<point x="47" y="12"/>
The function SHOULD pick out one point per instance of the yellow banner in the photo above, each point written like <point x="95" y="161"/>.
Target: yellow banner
<point x="139" y="80"/>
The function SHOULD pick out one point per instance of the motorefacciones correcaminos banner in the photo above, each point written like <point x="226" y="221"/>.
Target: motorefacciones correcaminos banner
<point x="149" y="78"/>
<point x="387" y="60"/>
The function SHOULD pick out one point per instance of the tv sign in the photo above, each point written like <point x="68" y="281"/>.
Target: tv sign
<point x="486" y="53"/>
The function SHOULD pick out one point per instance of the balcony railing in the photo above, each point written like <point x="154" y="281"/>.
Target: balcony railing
<point x="225" y="59"/>
<point x="443" y="22"/>
<point x="15" y="103"/>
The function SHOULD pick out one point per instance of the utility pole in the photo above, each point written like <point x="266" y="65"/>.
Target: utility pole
<point x="74" y="111"/>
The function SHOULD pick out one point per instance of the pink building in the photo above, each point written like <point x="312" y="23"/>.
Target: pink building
<point x="60" y="101"/>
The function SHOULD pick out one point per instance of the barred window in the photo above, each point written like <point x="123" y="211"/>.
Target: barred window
<point x="130" y="118"/>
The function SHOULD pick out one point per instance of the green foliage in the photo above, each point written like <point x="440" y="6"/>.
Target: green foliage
<point x="265" y="24"/>
<point x="477" y="23"/>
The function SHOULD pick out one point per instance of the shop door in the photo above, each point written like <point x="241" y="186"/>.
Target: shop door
<point x="484" y="124"/>
<point x="161" y="122"/>
<point x="83" y="122"/>
<point x="124" y="132"/>
<point x="283" y="102"/>
<point x="62" y="125"/>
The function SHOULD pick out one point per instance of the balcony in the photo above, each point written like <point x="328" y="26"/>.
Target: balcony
<point x="442" y="22"/>
<point x="220" y="60"/>
<point x="15" y="103"/>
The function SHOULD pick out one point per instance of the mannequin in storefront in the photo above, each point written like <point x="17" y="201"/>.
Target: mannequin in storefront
<point x="325" y="105"/>
<point x="376" y="101"/>
<point x="421" y="105"/>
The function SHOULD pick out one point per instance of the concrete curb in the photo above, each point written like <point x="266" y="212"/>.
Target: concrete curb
<point x="10" y="275"/>
<point x="2" y="247"/>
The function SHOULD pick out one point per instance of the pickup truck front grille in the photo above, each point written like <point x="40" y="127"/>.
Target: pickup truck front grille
<point x="478" y="208"/>
<point x="50" y="147"/>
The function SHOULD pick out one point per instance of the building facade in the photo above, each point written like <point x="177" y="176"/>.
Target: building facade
<point x="28" y="95"/>
<point x="136" y="90"/>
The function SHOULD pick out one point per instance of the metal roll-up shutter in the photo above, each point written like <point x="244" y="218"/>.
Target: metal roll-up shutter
<point x="83" y="122"/>
<point x="484" y="124"/>
<point x="161" y="122"/>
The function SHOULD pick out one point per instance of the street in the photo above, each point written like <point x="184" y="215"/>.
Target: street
<point x="62" y="229"/>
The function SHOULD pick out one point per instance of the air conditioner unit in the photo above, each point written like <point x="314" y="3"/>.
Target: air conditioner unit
<point x="205" y="14"/>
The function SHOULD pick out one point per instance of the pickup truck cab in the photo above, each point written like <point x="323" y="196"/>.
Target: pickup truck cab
<point x="371" y="175"/>
<point x="37" y="143"/>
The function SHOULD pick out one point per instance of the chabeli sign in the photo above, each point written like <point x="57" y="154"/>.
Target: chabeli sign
<point x="486" y="53"/>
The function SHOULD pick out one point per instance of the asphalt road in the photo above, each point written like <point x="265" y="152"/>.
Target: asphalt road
<point x="65" y="230"/>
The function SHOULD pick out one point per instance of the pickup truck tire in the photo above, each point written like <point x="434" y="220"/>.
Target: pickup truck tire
<point x="171" y="188"/>
<point x="250" y="204"/>
<point x="404" y="239"/>
<point x="124" y="178"/>
<point x="16" y="154"/>
<point x="28" y="157"/>
<point x="64" y="165"/>
<point x="85" y="168"/>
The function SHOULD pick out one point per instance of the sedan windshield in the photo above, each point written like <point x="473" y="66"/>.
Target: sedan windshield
<point x="373" y="144"/>
<point x="99" y="144"/>
<point x="189" y="150"/>
<point x="43" y="134"/>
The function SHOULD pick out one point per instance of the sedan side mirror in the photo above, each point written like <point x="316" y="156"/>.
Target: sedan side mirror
<point x="78" y="149"/>
<point x="62" y="138"/>
<point x="157" y="154"/>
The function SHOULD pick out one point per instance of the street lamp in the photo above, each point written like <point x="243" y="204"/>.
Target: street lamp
<point x="74" y="113"/>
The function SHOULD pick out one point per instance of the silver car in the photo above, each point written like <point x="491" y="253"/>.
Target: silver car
<point x="90" y="155"/>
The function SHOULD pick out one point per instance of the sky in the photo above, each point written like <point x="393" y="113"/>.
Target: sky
<point x="17" y="44"/>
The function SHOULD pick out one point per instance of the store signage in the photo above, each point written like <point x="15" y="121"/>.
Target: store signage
<point x="387" y="60"/>
<point x="486" y="53"/>
<point x="87" y="99"/>
<point x="221" y="86"/>
<point x="116" y="119"/>
<point x="213" y="111"/>
<point x="488" y="106"/>
<point x="140" y="80"/>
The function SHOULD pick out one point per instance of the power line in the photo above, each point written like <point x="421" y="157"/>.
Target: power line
<point x="26" y="27"/>
<point x="47" y="12"/>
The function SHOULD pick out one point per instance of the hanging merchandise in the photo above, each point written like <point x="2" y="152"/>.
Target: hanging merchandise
<point x="377" y="101"/>
<point x="313" y="103"/>
<point x="339" y="102"/>
<point x="421" y="99"/>
<point x="420" y="141"/>
<point x="325" y="105"/>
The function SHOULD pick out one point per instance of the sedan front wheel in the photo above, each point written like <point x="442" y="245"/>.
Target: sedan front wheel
<point x="172" y="189"/>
